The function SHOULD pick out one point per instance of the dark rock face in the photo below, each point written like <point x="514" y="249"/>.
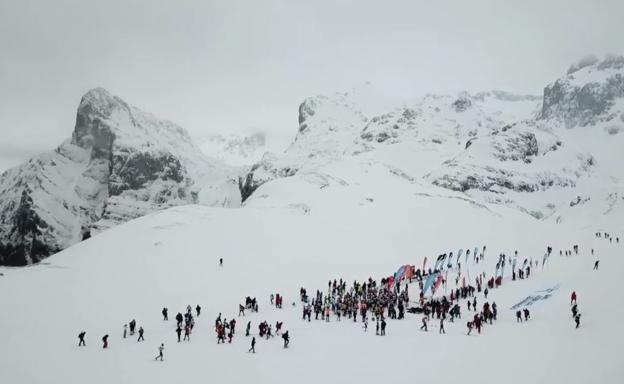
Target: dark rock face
<point x="462" y="103"/>
<point x="247" y="186"/>
<point x="26" y="245"/>
<point x="583" y="104"/>
<point x="133" y="171"/>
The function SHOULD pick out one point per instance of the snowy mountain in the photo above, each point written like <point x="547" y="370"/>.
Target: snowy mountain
<point x="121" y="163"/>
<point x="535" y="155"/>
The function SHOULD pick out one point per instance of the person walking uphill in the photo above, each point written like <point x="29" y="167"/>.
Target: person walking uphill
<point x="165" y="313"/>
<point x="253" y="346"/>
<point x="141" y="334"/>
<point x="286" y="338"/>
<point x="81" y="337"/>
<point x="573" y="298"/>
<point x="160" y="352"/>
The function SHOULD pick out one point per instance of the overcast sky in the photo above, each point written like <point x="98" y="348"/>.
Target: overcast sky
<point x="235" y="66"/>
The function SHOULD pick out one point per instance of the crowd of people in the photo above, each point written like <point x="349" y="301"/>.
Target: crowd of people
<point x="378" y="301"/>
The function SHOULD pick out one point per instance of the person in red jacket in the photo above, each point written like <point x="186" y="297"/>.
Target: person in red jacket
<point x="573" y="298"/>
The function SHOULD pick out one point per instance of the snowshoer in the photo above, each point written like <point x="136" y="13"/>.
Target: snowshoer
<point x="81" y="337"/>
<point x="160" y="352"/>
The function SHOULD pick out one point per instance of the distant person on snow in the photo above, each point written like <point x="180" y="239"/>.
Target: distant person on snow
<point x="596" y="264"/>
<point x="253" y="346"/>
<point x="179" y="332"/>
<point x="165" y="314"/>
<point x="105" y="341"/>
<point x="81" y="337"/>
<point x="577" y="319"/>
<point x="198" y="310"/>
<point x="286" y="338"/>
<point x="518" y="316"/>
<point x="160" y="352"/>
<point x="424" y="324"/>
<point x="125" y="331"/>
<point x="383" y="327"/>
<point x="573" y="298"/>
<point x="526" y="314"/>
<point x="442" y="326"/>
<point x="141" y="334"/>
<point x="221" y="262"/>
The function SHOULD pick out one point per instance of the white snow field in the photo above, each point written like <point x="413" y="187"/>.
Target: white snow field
<point x="170" y="258"/>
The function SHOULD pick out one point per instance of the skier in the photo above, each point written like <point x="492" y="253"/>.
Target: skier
<point x="125" y="331"/>
<point x="179" y="332"/>
<point x="577" y="319"/>
<point x="442" y="326"/>
<point x="105" y="340"/>
<point x="573" y="298"/>
<point x="165" y="312"/>
<point x="81" y="337"/>
<point x="198" y="310"/>
<point x="253" y="346"/>
<point x="160" y="352"/>
<point x="286" y="339"/>
<point x="141" y="334"/>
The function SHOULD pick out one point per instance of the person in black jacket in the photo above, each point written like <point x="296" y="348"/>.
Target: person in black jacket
<point x="286" y="338"/>
<point x="165" y="314"/>
<point x="253" y="346"/>
<point x="81" y="336"/>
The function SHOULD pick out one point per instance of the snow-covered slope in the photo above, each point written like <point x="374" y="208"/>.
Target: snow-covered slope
<point x="170" y="259"/>
<point x="121" y="163"/>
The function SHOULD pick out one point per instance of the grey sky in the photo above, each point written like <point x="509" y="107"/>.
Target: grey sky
<point x="240" y="65"/>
